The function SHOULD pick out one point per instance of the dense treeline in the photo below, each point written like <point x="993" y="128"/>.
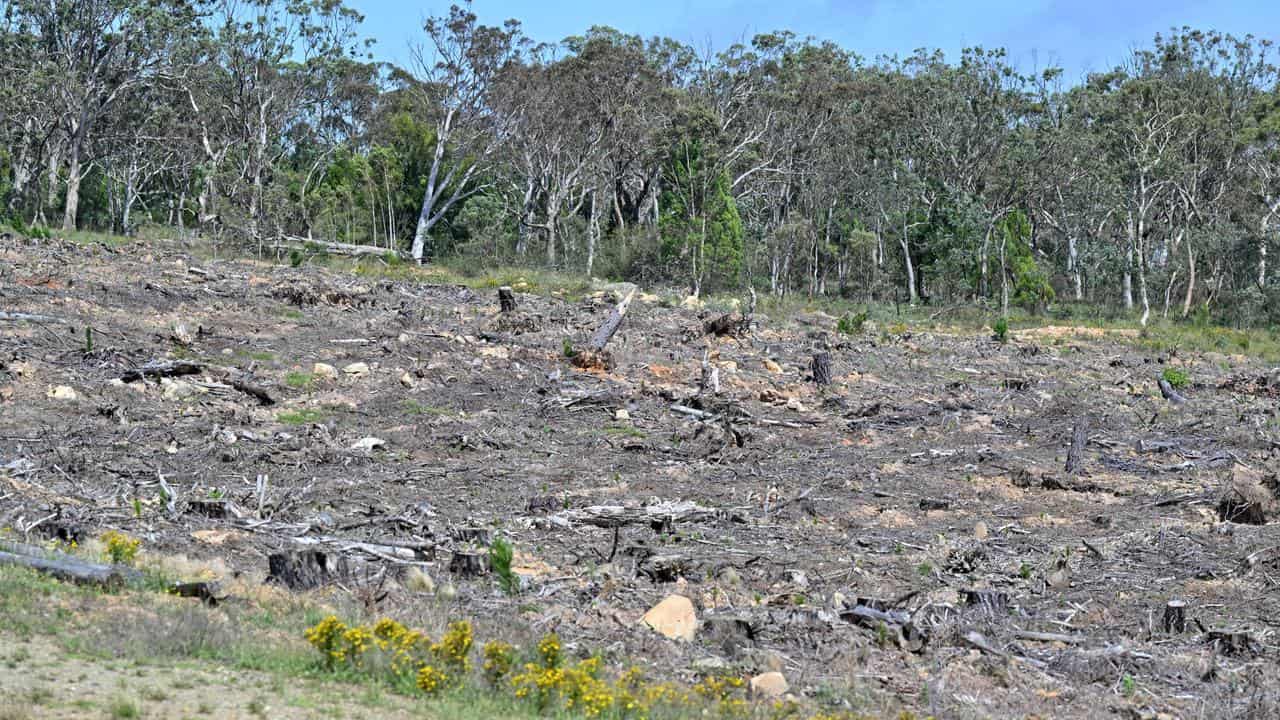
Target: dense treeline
<point x="791" y="164"/>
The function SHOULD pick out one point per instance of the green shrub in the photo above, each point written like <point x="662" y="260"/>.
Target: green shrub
<point x="1001" y="329"/>
<point x="1176" y="377"/>
<point x="851" y="323"/>
<point x="500" y="557"/>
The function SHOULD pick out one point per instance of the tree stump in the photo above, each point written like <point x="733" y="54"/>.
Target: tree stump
<point x="506" y="299"/>
<point x="1075" y="455"/>
<point x="469" y="564"/>
<point x="822" y="368"/>
<point x="212" y="508"/>
<point x="993" y="601"/>
<point x="1175" y="617"/>
<point x="307" y="569"/>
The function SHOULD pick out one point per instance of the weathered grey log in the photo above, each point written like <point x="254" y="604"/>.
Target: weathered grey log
<point x="209" y="593"/>
<point x="1048" y="637"/>
<point x="1169" y="393"/>
<point x="160" y="369"/>
<point x="1175" y="617"/>
<point x="1075" y="454"/>
<point x="615" y="515"/>
<point x="65" y="567"/>
<point x="333" y="248"/>
<point x="256" y="391"/>
<point x="506" y="299"/>
<point x="29" y="317"/>
<point x="822" y="368"/>
<point x="594" y="355"/>
<point x="605" y="332"/>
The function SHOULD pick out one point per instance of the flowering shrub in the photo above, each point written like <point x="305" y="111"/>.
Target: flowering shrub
<point x="121" y="549"/>
<point x="499" y="658"/>
<point x="550" y="682"/>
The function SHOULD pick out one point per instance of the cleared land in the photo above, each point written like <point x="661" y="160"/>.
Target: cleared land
<point x="905" y="537"/>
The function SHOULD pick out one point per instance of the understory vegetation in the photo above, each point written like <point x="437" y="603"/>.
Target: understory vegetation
<point x="1150" y="191"/>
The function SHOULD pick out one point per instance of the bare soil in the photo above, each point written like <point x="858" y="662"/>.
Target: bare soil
<point x="932" y="466"/>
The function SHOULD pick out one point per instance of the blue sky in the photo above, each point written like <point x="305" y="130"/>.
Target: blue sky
<point x="1080" y="36"/>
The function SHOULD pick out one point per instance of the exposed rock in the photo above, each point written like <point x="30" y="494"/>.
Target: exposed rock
<point x="769" y="685"/>
<point x="980" y="530"/>
<point x="369" y="444"/>
<point x="324" y="371"/>
<point x="674" y="618"/>
<point x="62" y="392"/>
<point x="177" y="389"/>
<point x="356" y="369"/>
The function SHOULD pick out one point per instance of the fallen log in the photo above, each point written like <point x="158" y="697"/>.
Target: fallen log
<point x="594" y="356"/>
<point x="291" y="242"/>
<point x="29" y="317"/>
<point x="159" y="369"/>
<point x="65" y="567"/>
<point x="256" y="391"/>
<point x="1169" y="393"/>
<point x="608" y="516"/>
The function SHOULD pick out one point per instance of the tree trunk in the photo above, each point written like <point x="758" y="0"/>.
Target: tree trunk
<point x="72" y="205"/>
<point x="1128" y="277"/>
<point x="1073" y="264"/>
<point x="1191" y="280"/>
<point x="911" y="271"/>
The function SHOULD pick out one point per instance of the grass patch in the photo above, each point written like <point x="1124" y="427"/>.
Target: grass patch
<point x="305" y="416"/>
<point x="624" y="431"/>
<point x="124" y="708"/>
<point x="300" y="380"/>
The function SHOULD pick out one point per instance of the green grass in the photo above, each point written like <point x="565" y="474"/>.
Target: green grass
<point x="300" y="380"/>
<point x="124" y="708"/>
<point x="305" y="416"/>
<point x="166" y="632"/>
<point x="625" y="431"/>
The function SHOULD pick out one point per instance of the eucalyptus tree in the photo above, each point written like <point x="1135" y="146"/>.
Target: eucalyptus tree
<point x="92" y="53"/>
<point x="457" y="72"/>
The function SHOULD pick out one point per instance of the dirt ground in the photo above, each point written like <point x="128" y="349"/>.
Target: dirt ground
<point x="52" y="685"/>
<point x="926" y="483"/>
